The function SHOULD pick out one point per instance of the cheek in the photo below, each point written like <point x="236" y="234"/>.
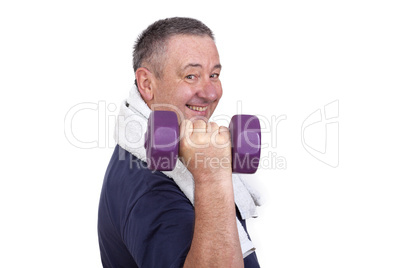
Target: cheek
<point x="182" y="96"/>
<point x="175" y="96"/>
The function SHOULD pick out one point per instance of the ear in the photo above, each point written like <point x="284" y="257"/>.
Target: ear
<point x="145" y="83"/>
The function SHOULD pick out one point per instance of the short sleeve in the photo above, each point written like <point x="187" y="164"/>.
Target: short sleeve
<point x="159" y="229"/>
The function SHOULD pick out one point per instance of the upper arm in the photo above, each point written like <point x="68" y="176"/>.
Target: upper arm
<point x="159" y="229"/>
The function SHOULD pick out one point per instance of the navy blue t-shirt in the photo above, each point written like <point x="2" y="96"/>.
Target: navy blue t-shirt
<point x="144" y="219"/>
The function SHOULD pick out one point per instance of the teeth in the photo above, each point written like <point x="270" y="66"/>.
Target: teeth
<point x="197" y="108"/>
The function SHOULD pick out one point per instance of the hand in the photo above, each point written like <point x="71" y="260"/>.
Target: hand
<point x="205" y="149"/>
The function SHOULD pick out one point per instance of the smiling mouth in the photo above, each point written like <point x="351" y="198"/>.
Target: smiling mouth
<point x="197" y="108"/>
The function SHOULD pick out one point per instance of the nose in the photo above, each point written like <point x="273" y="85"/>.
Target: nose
<point x="210" y="91"/>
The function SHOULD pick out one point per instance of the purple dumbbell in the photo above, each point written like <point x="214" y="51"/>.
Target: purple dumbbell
<point x="245" y="132"/>
<point x="162" y="140"/>
<point x="163" y="136"/>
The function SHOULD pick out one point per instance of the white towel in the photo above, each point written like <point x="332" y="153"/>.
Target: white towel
<point x="129" y="134"/>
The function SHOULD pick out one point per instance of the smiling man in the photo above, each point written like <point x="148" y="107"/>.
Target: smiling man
<point x="195" y="215"/>
<point x="189" y="79"/>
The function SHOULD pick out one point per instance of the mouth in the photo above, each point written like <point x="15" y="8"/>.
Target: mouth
<point x="197" y="108"/>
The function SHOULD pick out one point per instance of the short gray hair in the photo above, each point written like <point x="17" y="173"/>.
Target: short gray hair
<point x="151" y="43"/>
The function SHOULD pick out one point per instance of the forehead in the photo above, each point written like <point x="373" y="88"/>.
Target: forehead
<point x="183" y="49"/>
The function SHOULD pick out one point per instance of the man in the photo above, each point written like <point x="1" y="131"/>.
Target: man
<point x="178" y="219"/>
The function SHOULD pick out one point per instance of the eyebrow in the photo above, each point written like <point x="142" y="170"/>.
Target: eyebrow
<point x="217" y="66"/>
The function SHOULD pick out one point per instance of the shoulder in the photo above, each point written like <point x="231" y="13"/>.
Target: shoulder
<point x="127" y="172"/>
<point x="128" y="180"/>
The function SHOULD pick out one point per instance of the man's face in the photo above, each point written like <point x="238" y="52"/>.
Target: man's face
<point x="190" y="80"/>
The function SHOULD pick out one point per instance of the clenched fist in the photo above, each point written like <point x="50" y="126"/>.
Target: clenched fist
<point x="205" y="149"/>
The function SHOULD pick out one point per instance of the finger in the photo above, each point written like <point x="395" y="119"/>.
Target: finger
<point x="225" y="133"/>
<point x="200" y="126"/>
<point x="213" y="127"/>
<point x="221" y="137"/>
<point x="186" y="128"/>
<point x="223" y="130"/>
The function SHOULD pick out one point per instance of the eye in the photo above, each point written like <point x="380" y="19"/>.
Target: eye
<point x="190" y="76"/>
<point x="215" y="75"/>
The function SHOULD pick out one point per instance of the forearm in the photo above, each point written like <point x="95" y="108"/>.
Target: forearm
<point x="215" y="241"/>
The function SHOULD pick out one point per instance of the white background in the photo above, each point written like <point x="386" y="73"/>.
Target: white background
<point x="279" y="58"/>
